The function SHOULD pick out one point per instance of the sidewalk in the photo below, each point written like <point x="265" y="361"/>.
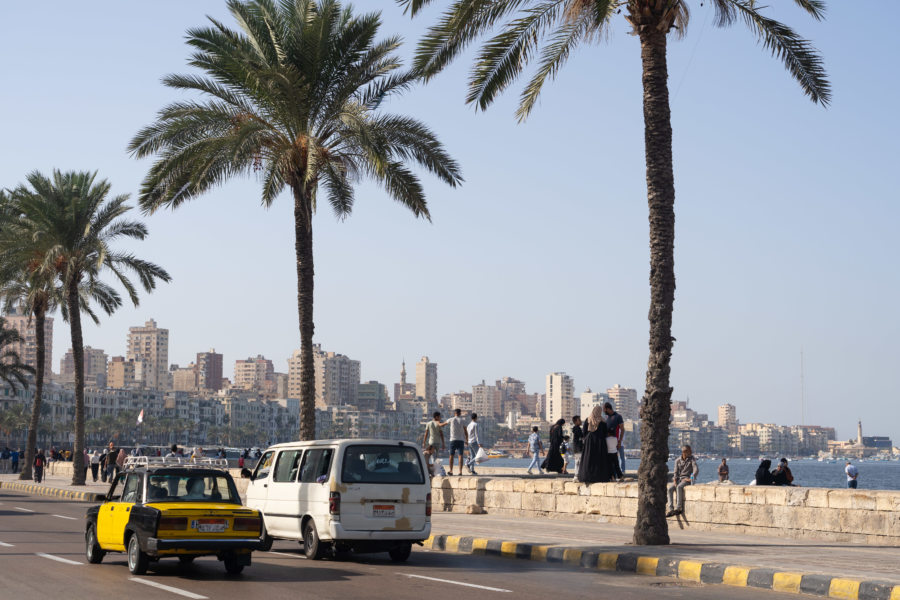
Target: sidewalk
<point x="59" y="486"/>
<point x="816" y="561"/>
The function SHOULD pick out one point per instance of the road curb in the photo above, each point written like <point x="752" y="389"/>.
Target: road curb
<point x="42" y="490"/>
<point x="687" y="569"/>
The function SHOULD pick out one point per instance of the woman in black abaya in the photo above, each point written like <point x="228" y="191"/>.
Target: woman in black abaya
<point x="554" y="460"/>
<point x="595" y="464"/>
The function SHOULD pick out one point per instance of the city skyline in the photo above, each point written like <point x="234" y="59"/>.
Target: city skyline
<point x="776" y="250"/>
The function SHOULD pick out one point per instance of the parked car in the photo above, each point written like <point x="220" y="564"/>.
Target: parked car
<point x="158" y="508"/>
<point x="339" y="496"/>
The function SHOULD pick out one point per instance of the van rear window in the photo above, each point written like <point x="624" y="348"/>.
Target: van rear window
<point x="382" y="464"/>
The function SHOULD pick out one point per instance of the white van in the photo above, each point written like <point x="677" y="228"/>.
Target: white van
<point x="338" y="496"/>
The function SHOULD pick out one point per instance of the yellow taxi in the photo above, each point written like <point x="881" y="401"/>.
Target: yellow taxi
<point x="171" y="508"/>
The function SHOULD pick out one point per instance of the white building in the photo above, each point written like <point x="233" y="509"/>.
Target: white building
<point x="625" y="401"/>
<point x="485" y="399"/>
<point x="589" y="400"/>
<point x="426" y="380"/>
<point x="150" y="344"/>
<point x="560" y="402"/>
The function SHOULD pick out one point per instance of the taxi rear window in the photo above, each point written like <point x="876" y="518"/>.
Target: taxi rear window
<point x="190" y="488"/>
<point x="382" y="464"/>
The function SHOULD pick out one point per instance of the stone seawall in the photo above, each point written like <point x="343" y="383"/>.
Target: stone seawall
<point x="855" y="516"/>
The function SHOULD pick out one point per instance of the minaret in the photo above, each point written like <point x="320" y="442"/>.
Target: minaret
<point x="859" y="441"/>
<point x="403" y="374"/>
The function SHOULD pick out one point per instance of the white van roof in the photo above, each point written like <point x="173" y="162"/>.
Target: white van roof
<point x="342" y="442"/>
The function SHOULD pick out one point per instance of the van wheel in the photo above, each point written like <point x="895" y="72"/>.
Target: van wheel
<point x="312" y="545"/>
<point x="92" y="550"/>
<point x="267" y="540"/>
<point x="400" y="553"/>
<point x="137" y="559"/>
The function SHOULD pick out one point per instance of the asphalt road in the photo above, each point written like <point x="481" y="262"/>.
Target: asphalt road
<point x="42" y="556"/>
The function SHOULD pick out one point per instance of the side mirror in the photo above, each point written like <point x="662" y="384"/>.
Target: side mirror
<point x="246" y="474"/>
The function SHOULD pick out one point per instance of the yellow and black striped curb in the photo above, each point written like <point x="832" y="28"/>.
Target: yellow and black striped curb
<point x="42" y="490"/>
<point x="690" y="570"/>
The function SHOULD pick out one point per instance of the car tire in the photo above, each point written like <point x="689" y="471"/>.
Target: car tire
<point x="137" y="558"/>
<point x="312" y="545"/>
<point x="400" y="553"/>
<point x="92" y="550"/>
<point x="232" y="566"/>
<point x="267" y="540"/>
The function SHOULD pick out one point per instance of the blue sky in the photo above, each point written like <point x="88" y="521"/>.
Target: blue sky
<point x="786" y="216"/>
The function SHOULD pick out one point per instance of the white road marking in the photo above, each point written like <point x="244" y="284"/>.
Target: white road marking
<point x="5" y="545"/>
<point x="284" y="554"/>
<point x="169" y="588"/>
<point x="23" y="509"/>
<point x="65" y="517"/>
<point x="59" y="559"/>
<point x="471" y="585"/>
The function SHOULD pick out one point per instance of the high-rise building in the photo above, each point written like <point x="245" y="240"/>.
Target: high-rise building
<point x="184" y="380"/>
<point x="589" y="400"/>
<point x="372" y="395"/>
<point x="625" y="402"/>
<point x="560" y="402"/>
<point x="403" y="390"/>
<point x="253" y="373"/>
<point x="426" y="380"/>
<point x="336" y="378"/>
<point x="122" y="373"/>
<point x="728" y="418"/>
<point x="461" y="400"/>
<point x="150" y="344"/>
<point x="486" y="400"/>
<point x="209" y="370"/>
<point x="27" y="348"/>
<point x="94" y="367"/>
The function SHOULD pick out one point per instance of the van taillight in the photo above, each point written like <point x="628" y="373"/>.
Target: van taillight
<point x="247" y="524"/>
<point x="334" y="503"/>
<point x="171" y="523"/>
<point x="428" y="505"/>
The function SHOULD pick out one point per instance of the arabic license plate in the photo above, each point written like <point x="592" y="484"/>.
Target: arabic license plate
<point x="211" y="525"/>
<point x="383" y="510"/>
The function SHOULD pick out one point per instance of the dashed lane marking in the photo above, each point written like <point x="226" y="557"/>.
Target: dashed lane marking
<point x="5" y="545"/>
<point x="284" y="554"/>
<point x="471" y="585"/>
<point x="65" y="517"/>
<point x="168" y="588"/>
<point x="23" y="509"/>
<point x="59" y="559"/>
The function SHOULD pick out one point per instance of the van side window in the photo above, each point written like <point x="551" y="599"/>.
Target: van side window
<point x="316" y="465"/>
<point x="286" y="465"/>
<point x="264" y="465"/>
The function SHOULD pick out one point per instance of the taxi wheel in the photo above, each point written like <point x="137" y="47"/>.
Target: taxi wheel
<point x="92" y="549"/>
<point x="137" y="559"/>
<point x="400" y="553"/>
<point x="312" y="545"/>
<point x="232" y="566"/>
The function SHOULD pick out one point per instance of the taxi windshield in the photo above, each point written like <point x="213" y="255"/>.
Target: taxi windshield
<point x="190" y="488"/>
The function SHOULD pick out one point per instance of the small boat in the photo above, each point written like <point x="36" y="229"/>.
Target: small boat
<point x="496" y="454"/>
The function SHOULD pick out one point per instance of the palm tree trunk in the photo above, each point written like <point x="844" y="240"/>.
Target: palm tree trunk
<point x="305" y="275"/>
<point x="74" y="306"/>
<point x="651" y="526"/>
<point x="40" y="352"/>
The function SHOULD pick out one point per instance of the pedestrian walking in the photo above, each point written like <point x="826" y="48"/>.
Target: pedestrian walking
<point x="615" y="431"/>
<point x="474" y="445"/>
<point x="14" y="460"/>
<point x="686" y="470"/>
<point x="120" y="461"/>
<point x="433" y="433"/>
<point x="763" y="475"/>
<point x="95" y="465"/>
<point x="577" y="442"/>
<point x="40" y="461"/>
<point x="554" y="460"/>
<point x="595" y="465"/>
<point x="852" y="475"/>
<point x="458" y="439"/>
<point x="723" y="471"/>
<point x="782" y="474"/>
<point x="86" y="462"/>
<point x="566" y="450"/>
<point x="535" y="447"/>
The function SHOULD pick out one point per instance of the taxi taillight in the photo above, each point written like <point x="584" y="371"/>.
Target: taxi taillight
<point x="428" y="505"/>
<point x="247" y="524"/>
<point x="172" y="523"/>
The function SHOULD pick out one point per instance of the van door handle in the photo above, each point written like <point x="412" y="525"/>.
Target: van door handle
<point x="265" y="485"/>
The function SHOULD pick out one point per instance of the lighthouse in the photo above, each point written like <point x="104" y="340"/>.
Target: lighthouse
<point x="859" y="440"/>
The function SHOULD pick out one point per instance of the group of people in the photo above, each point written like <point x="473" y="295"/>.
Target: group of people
<point x="462" y="435"/>
<point x="596" y="446"/>
<point x="9" y="460"/>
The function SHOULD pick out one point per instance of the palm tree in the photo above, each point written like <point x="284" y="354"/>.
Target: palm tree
<point x="13" y="371"/>
<point x="293" y="96"/>
<point x="548" y="31"/>
<point x="73" y="223"/>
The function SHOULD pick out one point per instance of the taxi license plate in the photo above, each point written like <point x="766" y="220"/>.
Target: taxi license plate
<point x="210" y="525"/>
<point x="383" y="510"/>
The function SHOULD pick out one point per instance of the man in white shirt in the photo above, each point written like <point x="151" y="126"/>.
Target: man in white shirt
<point x="472" y="434"/>
<point x="458" y="439"/>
